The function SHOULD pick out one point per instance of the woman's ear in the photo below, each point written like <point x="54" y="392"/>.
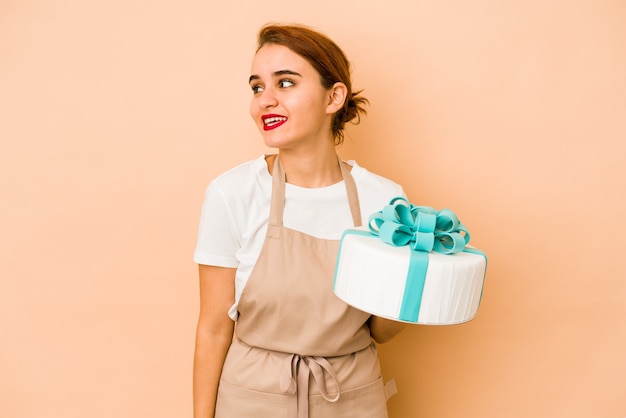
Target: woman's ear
<point x="336" y="97"/>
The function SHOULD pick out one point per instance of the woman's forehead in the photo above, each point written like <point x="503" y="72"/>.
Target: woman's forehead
<point x="273" y="58"/>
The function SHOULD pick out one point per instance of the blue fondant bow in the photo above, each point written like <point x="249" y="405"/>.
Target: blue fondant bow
<point x="422" y="227"/>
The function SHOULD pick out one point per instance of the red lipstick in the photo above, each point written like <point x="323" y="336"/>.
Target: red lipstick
<point x="272" y="121"/>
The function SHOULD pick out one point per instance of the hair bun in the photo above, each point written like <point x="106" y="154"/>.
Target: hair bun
<point x="351" y="112"/>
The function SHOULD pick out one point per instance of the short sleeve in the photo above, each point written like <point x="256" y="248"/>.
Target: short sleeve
<point x="218" y="240"/>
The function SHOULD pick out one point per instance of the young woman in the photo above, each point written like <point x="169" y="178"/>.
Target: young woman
<point x="267" y="245"/>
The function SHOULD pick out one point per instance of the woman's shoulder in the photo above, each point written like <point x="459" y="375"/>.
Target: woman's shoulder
<point x="370" y="180"/>
<point x="244" y="173"/>
<point x="375" y="191"/>
<point x="247" y="182"/>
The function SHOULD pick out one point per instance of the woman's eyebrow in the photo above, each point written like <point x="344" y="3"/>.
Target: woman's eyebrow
<point x="286" y="72"/>
<point x="275" y="74"/>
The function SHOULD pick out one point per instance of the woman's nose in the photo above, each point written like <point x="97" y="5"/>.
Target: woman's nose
<point x="268" y="98"/>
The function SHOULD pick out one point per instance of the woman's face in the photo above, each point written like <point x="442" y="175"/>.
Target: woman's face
<point x="289" y="104"/>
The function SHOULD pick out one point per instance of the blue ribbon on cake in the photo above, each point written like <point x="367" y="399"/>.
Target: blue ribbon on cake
<point x="421" y="227"/>
<point x="424" y="229"/>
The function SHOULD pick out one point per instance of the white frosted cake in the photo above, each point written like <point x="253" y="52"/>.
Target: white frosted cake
<point x="404" y="284"/>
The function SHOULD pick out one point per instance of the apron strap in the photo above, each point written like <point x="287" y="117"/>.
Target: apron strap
<point x="353" y="195"/>
<point x="277" y="203"/>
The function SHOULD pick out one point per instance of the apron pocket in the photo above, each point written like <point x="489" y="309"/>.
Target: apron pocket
<point x="237" y="402"/>
<point x="367" y="401"/>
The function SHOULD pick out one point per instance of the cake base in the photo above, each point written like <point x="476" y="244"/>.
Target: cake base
<point x="380" y="279"/>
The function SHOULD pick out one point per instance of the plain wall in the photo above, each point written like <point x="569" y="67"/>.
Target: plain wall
<point x="115" y="115"/>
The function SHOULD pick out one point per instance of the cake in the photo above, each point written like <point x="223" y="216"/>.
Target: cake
<point x="411" y="264"/>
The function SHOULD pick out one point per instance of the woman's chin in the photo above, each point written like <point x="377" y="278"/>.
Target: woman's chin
<point x="272" y="141"/>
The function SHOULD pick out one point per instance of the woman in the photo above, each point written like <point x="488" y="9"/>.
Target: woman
<point x="267" y="246"/>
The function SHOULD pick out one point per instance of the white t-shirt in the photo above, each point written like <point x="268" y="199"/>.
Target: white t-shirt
<point x="235" y="214"/>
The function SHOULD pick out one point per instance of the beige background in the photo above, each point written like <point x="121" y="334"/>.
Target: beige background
<point x="114" y="116"/>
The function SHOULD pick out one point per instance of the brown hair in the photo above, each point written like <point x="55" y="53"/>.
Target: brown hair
<point x="329" y="61"/>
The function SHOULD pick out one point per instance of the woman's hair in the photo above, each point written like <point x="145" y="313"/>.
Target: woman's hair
<point x="329" y="61"/>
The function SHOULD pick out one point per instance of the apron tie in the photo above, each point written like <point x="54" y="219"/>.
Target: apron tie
<point x="294" y="381"/>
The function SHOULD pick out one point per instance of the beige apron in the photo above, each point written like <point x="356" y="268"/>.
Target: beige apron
<point x="300" y="351"/>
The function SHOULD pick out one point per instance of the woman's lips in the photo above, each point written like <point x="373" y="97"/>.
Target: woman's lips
<point x="273" y="121"/>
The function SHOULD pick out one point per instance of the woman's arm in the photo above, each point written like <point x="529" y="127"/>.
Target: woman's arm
<point x="383" y="330"/>
<point x="214" y="335"/>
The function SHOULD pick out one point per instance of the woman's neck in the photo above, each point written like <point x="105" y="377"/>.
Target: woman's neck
<point x="311" y="169"/>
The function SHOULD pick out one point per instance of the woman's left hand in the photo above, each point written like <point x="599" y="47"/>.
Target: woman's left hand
<point x="383" y="329"/>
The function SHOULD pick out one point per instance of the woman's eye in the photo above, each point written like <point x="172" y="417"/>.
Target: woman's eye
<point x="256" y="88"/>
<point x="285" y="83"/>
